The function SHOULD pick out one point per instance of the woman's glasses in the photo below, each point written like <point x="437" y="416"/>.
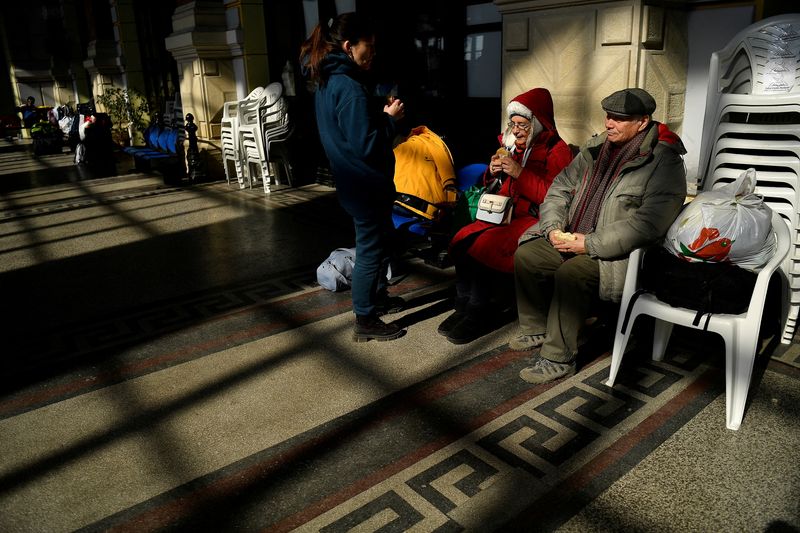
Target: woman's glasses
<point x="520" y="125"/>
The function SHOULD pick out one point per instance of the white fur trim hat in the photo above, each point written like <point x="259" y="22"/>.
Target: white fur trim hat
<point x="516" y="108"/>
<point x="521" y="107"/>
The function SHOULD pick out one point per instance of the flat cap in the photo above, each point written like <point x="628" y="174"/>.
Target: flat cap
<point x="629" y="102"/>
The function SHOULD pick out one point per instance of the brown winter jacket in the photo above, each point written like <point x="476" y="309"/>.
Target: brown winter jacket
<point x="638" y="208"/>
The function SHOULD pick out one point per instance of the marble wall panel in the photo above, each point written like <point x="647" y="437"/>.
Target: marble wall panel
<point x="584" y="50"/>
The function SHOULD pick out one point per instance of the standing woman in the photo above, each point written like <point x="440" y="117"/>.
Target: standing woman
<point x="357" y="139"/>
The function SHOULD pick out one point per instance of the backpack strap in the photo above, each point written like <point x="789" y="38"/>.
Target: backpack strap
<point x="415" y="202"/>
<point x="639" y="292"/>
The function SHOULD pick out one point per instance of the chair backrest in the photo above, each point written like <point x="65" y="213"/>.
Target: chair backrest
<point x="273" y="92"/>
<point x="255" y="94"/>
<point x="230" y="111"/>
<point x="164" y="139"/>
<point x="248" y="111"/>
<point x="151" y="136"/>
<point x="753" y="90"/>
<point x="275" y="118"/>
<point x="173" y="140"/>
<point x="470" y="175"/>
<point x="173" y="112"/>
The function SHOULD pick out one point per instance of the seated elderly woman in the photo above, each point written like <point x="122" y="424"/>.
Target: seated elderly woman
<point x="531" y="155"/>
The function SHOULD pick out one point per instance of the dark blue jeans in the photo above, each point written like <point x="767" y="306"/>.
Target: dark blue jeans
<point x="374" y="236"/>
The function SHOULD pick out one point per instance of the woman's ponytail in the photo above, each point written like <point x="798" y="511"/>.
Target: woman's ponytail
<point x="313" y="50"/>
<point x="328" y="36"/>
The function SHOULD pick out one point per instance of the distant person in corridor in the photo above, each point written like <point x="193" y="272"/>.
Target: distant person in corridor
<point x="30" y="113"/>
<point x="357" y="137"/>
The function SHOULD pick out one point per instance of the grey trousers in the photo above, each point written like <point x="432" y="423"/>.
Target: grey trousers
<point x="555" y="294"/>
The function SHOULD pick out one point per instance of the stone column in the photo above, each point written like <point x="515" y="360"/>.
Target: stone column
<point x="250" y="53"/>
<point x="584" y="50"/>
<point x="103" y="64"/>
<point x="127" y="42"/>
<point x="72" y="75"/>
<point x="220" y="49"/>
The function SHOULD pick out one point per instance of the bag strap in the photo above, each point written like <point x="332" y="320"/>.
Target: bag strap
<point x="635" y="297"/>
<point x="494" y="186"/>
<point x="416" y="202"/>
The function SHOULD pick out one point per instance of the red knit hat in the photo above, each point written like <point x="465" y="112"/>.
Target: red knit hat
<point x="535" y="105"/>
<point x="536" y="102"/>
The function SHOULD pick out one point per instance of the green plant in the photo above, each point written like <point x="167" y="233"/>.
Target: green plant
<point x="127" y="108"/>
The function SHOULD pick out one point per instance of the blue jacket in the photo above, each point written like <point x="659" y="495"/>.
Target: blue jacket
<point x="357" y="136"/>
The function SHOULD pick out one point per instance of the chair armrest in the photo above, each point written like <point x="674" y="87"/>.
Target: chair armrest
<point x="783" y="243"/>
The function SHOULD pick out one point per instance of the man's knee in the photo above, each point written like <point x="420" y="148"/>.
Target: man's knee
<point x="532" y="257"/>
<point x="521" y="259"/>
<point x="579" y="271"/>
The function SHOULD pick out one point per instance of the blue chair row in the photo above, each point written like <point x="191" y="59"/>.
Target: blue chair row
<point x="163" y="146"/>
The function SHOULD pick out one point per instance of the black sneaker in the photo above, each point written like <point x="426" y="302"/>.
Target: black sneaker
<point x="467" y="330"/>
<point x="387" y="305"/>
<point x="371" y="327"/>
<point x="451" y="322"/>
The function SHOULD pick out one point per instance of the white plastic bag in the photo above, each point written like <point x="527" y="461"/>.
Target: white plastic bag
<point x="730" y="223"/>
<point x="65" y="123"/>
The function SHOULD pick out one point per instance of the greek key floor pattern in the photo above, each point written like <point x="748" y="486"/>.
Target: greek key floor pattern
<point x="471" y="448"/>
<point x="525" y="451"/>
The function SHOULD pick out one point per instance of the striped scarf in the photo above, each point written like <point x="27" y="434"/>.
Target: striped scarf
<point x="605" y="172"/>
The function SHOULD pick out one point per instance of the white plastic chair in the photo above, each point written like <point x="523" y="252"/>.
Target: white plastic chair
<point x="752" y="119"/>
<point x="229" y="135"/>
<point x="253" y="115"/>
<point x="740" y="332"/>
<point x="277" y="131"/>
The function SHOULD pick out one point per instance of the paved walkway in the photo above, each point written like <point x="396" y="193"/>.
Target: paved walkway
<point x="171" y="364"/>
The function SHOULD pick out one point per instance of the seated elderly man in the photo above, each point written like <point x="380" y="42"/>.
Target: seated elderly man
<point x="621" y="192"/>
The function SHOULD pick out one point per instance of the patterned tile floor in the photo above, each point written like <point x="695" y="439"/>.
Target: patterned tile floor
<point x="171" y="364"/>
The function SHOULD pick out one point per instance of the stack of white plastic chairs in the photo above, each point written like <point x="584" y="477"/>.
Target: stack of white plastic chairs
<point x="255" y="118"/>
<point x="173" y="112"/>
<point x="249" y="129"/>
<point x="277" y="129"/>
<point x="229" y="134"/>
<point x="753" y="120"/>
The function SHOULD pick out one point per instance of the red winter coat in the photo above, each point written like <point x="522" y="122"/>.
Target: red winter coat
<point x="493" y="245"/>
